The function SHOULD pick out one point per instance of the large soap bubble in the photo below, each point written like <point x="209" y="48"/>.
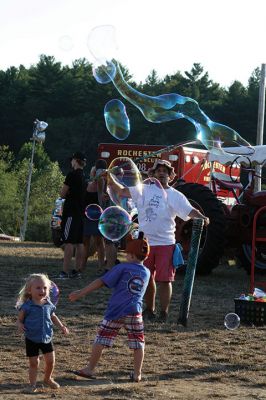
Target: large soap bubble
<point x="114" y="223"/>
<point x="166" y="107"/>
<point x="116" y="119"/>
<point x="104" y="73"/>
<point x="126" y="173"/>
<point x="102" y="43"/>
<point x="54" y="293"/>
<point x="169" y="107"/>
<point x="93" y="212"/>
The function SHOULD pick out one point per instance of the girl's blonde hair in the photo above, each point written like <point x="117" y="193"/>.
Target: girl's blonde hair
<point x="24" y="293"/>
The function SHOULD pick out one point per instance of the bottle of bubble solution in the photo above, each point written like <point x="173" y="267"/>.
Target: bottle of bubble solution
<point x="231" y="321"/>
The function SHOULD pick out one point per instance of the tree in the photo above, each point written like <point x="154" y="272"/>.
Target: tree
<point x="46" y="182"/>
<point x="10" y="205"/>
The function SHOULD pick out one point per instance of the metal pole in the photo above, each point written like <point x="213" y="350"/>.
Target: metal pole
<point x="260" y="126"/>
<point x="24" y="226"/>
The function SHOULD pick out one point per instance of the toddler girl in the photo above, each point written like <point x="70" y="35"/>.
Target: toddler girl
<point x="35" y="319"/>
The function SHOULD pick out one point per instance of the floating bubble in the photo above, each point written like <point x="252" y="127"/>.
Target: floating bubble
<point x="102" y="43"/>
<point x="104" y="73"/>
<point x="65" y="43"/>
<point x="231" y="321"/>
<point x="172" y="106"/>
<point x="130" y="174"/>
<point x="126" y="173"/>
<point x="93" y="212"/>
<point x="54" y="293"/>
<point x="114" y="223"/>
<point x="116" y="119"/>
<point x="166" y="107"/>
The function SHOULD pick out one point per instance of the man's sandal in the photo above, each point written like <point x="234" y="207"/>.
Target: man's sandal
<point x="84" y="374"/>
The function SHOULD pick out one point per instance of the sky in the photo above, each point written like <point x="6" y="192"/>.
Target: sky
<point x="228" y="37"/>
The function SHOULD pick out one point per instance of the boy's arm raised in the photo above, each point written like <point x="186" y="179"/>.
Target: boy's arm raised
<point x="97" y="284"/>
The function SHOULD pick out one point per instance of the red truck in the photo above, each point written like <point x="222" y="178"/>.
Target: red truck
<point x="193" y="179"/>
<point x="190" y="163"/>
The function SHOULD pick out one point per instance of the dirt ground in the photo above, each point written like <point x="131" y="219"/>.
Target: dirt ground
<point x="202" y="361"/>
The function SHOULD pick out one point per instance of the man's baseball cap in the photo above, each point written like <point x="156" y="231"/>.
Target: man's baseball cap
<point x="78" y="156"/>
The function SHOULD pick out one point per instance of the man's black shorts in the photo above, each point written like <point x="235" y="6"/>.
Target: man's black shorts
<point x="32" y="348"/>
<point x="72" y="229"/>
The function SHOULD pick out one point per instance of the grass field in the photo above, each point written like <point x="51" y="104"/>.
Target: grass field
<point x="202" y="361"/>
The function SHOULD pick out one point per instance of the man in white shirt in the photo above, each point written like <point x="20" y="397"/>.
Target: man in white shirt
<point x="157" y="209"/>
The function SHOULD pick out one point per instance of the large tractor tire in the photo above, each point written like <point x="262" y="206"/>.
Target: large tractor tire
<point x="245" y="251"/>
<point x="213" y="239"/>
<point x="260" y="257"/>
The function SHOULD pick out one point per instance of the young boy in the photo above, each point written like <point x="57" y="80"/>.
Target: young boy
<point x="129" y="282"/>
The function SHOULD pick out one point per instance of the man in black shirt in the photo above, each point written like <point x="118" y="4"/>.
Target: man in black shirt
<point x="73" y="191"/>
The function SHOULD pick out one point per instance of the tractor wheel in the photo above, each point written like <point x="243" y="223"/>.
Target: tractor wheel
<point x="260" y="255"/>
<point x="213" y="238"/>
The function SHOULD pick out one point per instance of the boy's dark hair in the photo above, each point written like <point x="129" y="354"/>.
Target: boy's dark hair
<point x="139" y="247"/>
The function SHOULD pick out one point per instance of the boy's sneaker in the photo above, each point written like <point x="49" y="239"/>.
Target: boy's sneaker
<point x="63" y="275"/>
<point x="149" y="315"/>
<point x="75" y="274"/>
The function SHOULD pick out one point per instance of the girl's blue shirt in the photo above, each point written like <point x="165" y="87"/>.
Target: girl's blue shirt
<point x="37" y="321"/>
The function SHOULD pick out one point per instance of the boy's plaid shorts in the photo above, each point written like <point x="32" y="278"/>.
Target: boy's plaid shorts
<point x="108" y="330"/>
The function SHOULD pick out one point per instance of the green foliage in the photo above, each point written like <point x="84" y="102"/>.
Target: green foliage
<point x="47" y="179"/>
<point x="10" y="207"/>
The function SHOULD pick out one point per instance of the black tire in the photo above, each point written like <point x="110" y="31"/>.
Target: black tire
<point x="213" y="238"/>
<point x="260" y="255"/>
